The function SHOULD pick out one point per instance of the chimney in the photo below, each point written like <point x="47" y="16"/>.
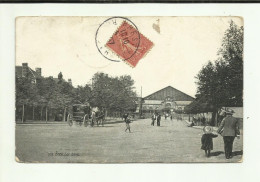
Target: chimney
<point x="38" y="72"/>
<point x="70" y="82"/>
<point x="24" y="69"/>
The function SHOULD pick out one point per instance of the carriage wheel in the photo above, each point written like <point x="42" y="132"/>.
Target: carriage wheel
<point x="85" y="123"/>
<point x="70" y="122"/>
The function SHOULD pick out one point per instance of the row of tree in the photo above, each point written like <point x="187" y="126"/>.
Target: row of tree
<point x="220" y="82"/>
<point x="114" y="94"/>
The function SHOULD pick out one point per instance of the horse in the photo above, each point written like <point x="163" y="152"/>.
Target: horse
<point x="100" y="118"/>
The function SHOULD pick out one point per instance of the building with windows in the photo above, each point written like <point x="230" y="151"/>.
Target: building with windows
<point x="26" y="71"/>
<point x="167" y="100"/>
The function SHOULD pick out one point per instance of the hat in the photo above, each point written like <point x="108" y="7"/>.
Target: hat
<point x="228" y="111"/>
<point x="208" y="129"/>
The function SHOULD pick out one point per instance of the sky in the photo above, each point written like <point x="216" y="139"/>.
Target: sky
<point x="67" y="44"/>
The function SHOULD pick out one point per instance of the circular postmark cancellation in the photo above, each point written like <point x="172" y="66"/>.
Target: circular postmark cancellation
<point x="118" y="39"/>
<point x="117" y="35"/>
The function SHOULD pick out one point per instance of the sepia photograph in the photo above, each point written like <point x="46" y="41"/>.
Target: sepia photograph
<point x="132" y="89"/>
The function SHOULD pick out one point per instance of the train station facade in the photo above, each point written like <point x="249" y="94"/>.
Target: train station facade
<point x="167" y="100"/>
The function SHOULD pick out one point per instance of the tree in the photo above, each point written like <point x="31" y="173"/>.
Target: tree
<point x="63" y="97"/>
<point x="102" y="93"/>
<point x="128" y="96"/>
<point x="221" y="83"/>
<point x="113" y="93"/>
<point x="25" y="94"/>
<point x="83" y="94"/>
<point x="52" y="96"/>
<point x="230" y="62"/>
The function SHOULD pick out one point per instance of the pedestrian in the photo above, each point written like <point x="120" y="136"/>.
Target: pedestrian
<point x="128" y="121"/>
<point x="191" y="124"/>
<point x="207" y="141"/>
<point x="153" y="119"/>
<point x="203" y="120"/>
<point x="229" y="129"/>
<point x="93" y="117"/>
<point x="102" y="117"/>
<point x="171" y="117"/>
<point x="158" y="119"/>
<point x="125" y="115"/>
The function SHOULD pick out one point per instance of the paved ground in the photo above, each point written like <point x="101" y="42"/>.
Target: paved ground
<point x="173" y="141"/>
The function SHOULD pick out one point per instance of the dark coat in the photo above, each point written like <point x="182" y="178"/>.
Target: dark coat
<point x="207" y="142"/>
<point x="125" y="116"/>
<point x="229" y="126"/>
<point x="159" y="118"/>
<point x="128" y="120"/>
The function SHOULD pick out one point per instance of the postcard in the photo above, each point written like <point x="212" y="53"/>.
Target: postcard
<point x="145" y="89"/>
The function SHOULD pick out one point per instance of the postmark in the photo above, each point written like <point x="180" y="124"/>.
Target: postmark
<point x="104" y="34"/>
<point x="126" y="43"/>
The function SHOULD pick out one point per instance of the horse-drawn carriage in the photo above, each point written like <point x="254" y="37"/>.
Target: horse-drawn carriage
<point x="83" y="114"/>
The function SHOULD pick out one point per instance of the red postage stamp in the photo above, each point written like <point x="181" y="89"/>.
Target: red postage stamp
<point x="129" y="44"/>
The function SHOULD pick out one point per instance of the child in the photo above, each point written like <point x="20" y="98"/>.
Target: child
<point x="206" y="140"/>
<point x="128" y="121"/>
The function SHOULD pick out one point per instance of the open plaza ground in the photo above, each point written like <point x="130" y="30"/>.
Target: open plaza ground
<point x="173" y="141"/>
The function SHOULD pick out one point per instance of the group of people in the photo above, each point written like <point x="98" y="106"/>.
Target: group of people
<point x="198" y="120"/>
<point x="156" y="117"/>
<point x="229" y="129"/>
<point x="166" y="115"/>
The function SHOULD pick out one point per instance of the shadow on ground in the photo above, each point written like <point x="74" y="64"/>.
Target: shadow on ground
<point x="216" y="153"/>
<point x="114" y="122"/>
<point x="221" y="152"/>
<point x="237" y="153"/>
<point x="105" y="126"/>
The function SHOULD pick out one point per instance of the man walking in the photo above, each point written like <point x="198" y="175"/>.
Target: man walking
<point x="229" y="130"/>
<point x="153" y="119"/>
<point x="158" y="119"/>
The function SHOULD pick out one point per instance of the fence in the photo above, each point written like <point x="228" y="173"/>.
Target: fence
<point x="25" y="113"/>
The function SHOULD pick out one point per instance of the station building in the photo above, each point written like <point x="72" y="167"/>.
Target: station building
<point x="168" y="100"/>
